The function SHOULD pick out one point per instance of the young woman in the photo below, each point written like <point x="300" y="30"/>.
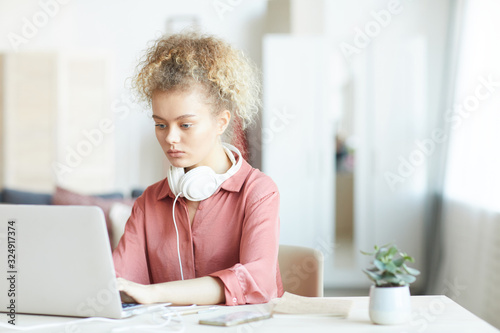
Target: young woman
<point x="209" y="232"/>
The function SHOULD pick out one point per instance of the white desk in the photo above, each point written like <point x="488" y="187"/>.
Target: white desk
<point x="429" y="314"/>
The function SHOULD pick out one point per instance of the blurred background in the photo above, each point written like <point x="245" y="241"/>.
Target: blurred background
<point x="379" y="121"/>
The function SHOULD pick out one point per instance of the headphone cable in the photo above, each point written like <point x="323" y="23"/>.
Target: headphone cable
<point x="177" y="234"/>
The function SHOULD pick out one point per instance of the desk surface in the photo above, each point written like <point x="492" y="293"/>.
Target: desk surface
<point x="429" y="314"/>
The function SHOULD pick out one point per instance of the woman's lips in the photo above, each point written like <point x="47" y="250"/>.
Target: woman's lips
<point x="175" y="153"/>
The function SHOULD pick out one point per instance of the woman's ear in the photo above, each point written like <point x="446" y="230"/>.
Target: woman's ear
<point x="223" y="121"/>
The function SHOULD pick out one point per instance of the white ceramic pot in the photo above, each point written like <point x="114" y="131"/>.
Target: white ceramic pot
<point x="390" y="305"/>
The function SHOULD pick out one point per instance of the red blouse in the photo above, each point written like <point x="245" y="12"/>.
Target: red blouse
<point x="234" y="236"/>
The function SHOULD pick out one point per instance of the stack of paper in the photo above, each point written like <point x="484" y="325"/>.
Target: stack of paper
<point x="294" y="304"/>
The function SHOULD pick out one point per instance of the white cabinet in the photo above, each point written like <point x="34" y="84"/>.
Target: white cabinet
<point x="298" y="139"/>
<point x="29" y="119"/>
<point x="56" y="123"/>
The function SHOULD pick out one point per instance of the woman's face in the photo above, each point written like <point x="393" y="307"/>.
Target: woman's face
<point x="186" y="129"/>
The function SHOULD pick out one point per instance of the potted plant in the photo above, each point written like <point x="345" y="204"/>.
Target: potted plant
<point x="390" y="295"/>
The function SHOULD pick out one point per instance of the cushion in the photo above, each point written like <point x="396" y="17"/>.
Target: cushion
<point x="24" y="197"/>
<point x="66" y="197"/>
<point x="112" y="195"/>
<point x="137" y="192"/>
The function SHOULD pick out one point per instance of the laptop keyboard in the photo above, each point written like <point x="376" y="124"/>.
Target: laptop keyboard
<point x="129" y="305"/>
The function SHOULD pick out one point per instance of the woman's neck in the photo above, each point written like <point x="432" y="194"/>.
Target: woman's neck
<point x="218" y="160"/>
<point x="222" y="163"/>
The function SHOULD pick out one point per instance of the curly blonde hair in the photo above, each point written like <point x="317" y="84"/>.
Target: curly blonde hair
<point x="180" y="61"/>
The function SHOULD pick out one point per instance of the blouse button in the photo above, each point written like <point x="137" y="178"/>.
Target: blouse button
<point x="235" y="300"/>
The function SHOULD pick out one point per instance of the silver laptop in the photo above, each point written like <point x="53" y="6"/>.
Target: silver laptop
<point x="56" y="260"/>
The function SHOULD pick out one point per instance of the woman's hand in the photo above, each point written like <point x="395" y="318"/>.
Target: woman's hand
<point x="131" y="292"/>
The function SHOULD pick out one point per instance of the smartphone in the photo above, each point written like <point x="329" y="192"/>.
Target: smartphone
<point x="235" y="318"/>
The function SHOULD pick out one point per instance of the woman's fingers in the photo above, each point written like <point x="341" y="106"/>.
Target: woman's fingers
<point x="123" y="286"/>
<point x="134" y="292"/>
<point x="121" y="283"/>
<point x="126" y="298"/>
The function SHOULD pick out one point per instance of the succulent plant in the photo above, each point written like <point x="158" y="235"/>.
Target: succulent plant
<point x="389" y="268"/>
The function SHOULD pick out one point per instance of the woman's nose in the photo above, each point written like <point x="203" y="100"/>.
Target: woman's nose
<point x="172" y="137"/>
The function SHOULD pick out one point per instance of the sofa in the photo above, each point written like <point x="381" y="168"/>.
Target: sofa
<point x="115" y="205"/>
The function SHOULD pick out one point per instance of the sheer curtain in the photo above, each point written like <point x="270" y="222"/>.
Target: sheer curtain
<point x="470" y="269"/>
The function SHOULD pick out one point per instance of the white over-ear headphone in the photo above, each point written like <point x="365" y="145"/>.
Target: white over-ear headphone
<point x="201" y="182"/>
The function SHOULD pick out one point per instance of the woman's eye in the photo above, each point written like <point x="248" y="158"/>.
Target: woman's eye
<point x="160" y="126"/>
<point x="186" y="125"/>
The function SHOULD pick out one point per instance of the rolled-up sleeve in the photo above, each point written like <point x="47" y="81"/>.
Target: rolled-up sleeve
<point x="256" y="278"/>
<point x="129" y="256"/>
